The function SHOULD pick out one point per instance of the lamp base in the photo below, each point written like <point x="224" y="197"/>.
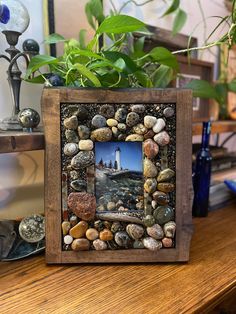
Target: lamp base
<point x="10" y="124"/>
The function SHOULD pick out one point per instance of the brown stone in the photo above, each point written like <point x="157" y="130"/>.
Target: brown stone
<point x="92" y="234"/>
<point x="79" y="230"/>
<point x="167" y="242"/>
<point x="161" y="198"/>
<point x="65" y="227"/>
<point x="82" y="205"/>
<point x="150" y="148"/>
<point x="106" y="235"/>
<point x="80" y="245"/>
<point x="166" y="187"/>
<point x="149" y="134"/>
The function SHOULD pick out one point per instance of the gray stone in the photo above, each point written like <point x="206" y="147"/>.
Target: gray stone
<point x="162" y="138"/>
<point x="152" y="244"/>
<point x="82" y="113"/>
<point x="83" y="132"/>
<point x="165" y="175"/>
<point x="83" y="160"/>
<point x="138" y="108"/>
<point x="107" y="111"/>
<point x="122" y="127"/>
<point x="99" y="121"/>
<point x="168" y="112"/>
<point x="159" y="125"/>
<point x="121" y="114"/>
<point x="135" y="231"/>
<point x="71" y="123"/>
<point x="70" y="149"/>
<point x="79" y="185"/>
<point x="132" y="119"/>
<point x="149" y="221"/>
<point x="138" y="244"/>
<point x="163" y="214"/>
<point x="71" y="136"/>
<point x="156" y="232"/>
<point x="123" y="239"/>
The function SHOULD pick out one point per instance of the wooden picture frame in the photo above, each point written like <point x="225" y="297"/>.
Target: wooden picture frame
<point x="55" y="103"/>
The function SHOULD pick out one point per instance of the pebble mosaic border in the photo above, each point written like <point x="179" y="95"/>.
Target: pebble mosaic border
<point x="151" y="225"/>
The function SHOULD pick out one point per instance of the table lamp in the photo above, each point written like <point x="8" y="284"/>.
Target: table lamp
<point x="14" y="20"/>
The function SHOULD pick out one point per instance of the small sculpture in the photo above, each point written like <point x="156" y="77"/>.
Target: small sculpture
<point x="29" y="119"/>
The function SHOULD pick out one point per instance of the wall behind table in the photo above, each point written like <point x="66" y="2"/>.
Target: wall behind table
<point x="21" y="174"/>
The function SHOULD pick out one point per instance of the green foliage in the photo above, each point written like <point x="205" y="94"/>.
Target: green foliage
<point x="179" y="21"/>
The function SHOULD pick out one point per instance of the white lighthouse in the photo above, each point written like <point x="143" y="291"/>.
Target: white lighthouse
<point x="118" y="158"/>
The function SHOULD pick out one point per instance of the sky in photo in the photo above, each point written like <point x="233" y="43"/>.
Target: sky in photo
<point x="131" y="154"/>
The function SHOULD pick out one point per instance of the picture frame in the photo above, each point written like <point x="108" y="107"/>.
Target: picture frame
<point x="57" y="105"/>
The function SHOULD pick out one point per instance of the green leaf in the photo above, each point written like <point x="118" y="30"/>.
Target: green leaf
<point x="36" y="80"/>
<point x="118" y="24"/>
<point x="162" y="76"/>
<point x="82" y="36"/>
<point x="84" y="71"/>
<point x="164" y="56"/>
<point x="39" y="61"/>
<point x="54" y="39"/>
<point x="173" y="7"/>
<point x="143" y="79"/>
<point x="89" y="15"/>
<point x="179" y="21"/>
<point x="222" y="91"/>
<point x="97" y="10"/>
<point x="203" y="89"/>
<point x="232" y="86"/>
<point x="130" y="65"/>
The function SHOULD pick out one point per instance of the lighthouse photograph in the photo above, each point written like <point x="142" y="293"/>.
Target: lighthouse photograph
<point x="119" y="176"/>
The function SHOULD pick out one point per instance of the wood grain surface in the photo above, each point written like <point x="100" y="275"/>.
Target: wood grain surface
<point x="30" y="286"/>
<point x="51" y="101"/>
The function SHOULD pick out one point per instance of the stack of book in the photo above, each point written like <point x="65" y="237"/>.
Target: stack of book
<point x="223" y="168"/>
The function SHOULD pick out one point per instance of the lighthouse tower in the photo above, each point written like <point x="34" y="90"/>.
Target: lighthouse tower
<point x="118" y="158"/>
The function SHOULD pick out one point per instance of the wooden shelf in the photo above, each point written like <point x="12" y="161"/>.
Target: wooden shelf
<point x="217" y="127"/>
<point x="209" y="278"/>
<point x="11" y="141"/>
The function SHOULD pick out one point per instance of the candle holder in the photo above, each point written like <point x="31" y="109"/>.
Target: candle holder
<point x="14" y="20"/>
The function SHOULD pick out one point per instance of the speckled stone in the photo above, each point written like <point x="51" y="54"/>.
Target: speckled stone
<point x="162" y="138"/>
<point x="140" y="129"/>
<point x="150" y="185"/>
<point x="99" y="245"/>
<point x="122" y="127"/>
<point x="161" y="198"/>
<point x="115" y="131"/>
<point x="138" y="244"/>
<point x="102" y="134"/>
<point x="149" y="221"/>
<point x="168" y="112"/>
<point x="123" y="240"/>
<point x="149" y="121"/>
<point x="70" y="149"/>
<point x="82" y="205"/>
<point x="169" y="229"/>
<point x="163" y="214"/>
<point x="106" y="235"/>
<point x="150" y="148"/>
<point x="107" y="111"/>
<point x="135" y="231"/>
<point x="98" y="121"/>
<point x="165" y="175"/>
<point x="159" y="125"/>
<point x="149" y="134"/>
<point x="74" y="175"/>
<point x="84" y="132"/>
<point x="73" y="220"/>
<point x="121" y="114"/>
<point x="79" y="230"/>
<point x="134" y="138"/>
<point x="132" y="119"/>
<point x="112" y="122"/>
<point x="68" y="239"/>
<point x="71" y="136"/>
<point x="116" y="226"/>
<point x="149" y="169"/>
<point x="80" y="245"/>
<point x="138" y="108"/>
<point x="167" y="242"/>
<point x="65" y="227"/>
<point x="79" y="185"/>
<point x="166" y="187"/>
<point x="98" y="225"/>
<point x="121" y="137"/>
<point x="92" y="234"/>
<point x="82" y="113"/>
<point x="85" y="145"/>
<point x="152" y="244"/>
<point x="71" y="123"/>
<point x="83" y="160"/>
<point x="156" y="232"/>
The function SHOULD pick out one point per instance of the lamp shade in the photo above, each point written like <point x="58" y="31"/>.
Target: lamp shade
<point x="13" y="16"/>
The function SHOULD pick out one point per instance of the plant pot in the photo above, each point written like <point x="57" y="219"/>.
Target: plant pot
<point x="118" y="175"/>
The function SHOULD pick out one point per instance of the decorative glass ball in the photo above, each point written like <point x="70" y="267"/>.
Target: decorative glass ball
<point x="31" y="45"/>
<point x="28" y="118"/>
<point x="13" y="16"/>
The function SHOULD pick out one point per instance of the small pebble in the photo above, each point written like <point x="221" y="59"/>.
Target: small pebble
<point x="85" y="145"/>
<point x="169" y="229"/>
<point x="68" y="239"/>
<point x="84" y="132"/>
<point x="70" y="149"/>
<point x="134" y="138"/>
<point x="159" y="125"/>
<point x="80" y="245"/>
<point x="102" y="134"/>
<point x="82" y="160"/>
<point x="116" y="226"/>
<point x="73" y="220"/>
<point x="99" y="245"/>
<point x="135" y="231"/>
<point x="165" y="175"/>
<point x="121" y="114"/>
<point x="149" y="221"/>
<point x="138" y="108"/>
<point x="71" y="123"/>
<point x="156" y="232"/>
<point x="92" y="234"/>
<point x="132" y="119"/>
<point x="149" y="169"/>
<point x="74" y="175"/>
<point x="112" y="122"/>
<point x="138" y="244"/>
<point x="79" y="185"/>
<point x="111" y="205"/>
<point x="140" y="129"/>
<point x="82" y="113"/>
<point x="149" y="121"/>
<point x="150" y="148"/>
<point x="162" y="138"/>
<point x="115" y="131"/>
<point x="163" y="214"/>
<point x="161" y="198"/>
<point x="149" y="134"/>
<point x="123" y="239"/>
<point x="79" y="230"/>
<point x="71" y="136"/>
<point x="65" y="227"/>
<point x="107" y="111"/>
<point x="166" y="187"/>
<point x="168" y="112"/>
<point x="152" y="244"/>
<point x="98" y="121"/>
<point x="167" y="242"/>
<point x="106" y="235"/>
<point x="150" y="185"/>
<point x="121" y="127"/>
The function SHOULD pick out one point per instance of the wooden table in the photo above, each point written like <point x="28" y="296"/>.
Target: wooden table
<point x="29" y="286"/>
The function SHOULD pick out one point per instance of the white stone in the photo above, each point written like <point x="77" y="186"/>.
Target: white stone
<point x="68" y="239"/>
<point x="71" y="149"/>
<point x="159" y="125"/>
<point x="85" y="145"/>
<point x="149" y="121"/>
<point x="152" y="244"/>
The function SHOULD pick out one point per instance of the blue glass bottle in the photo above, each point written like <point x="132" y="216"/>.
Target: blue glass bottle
<point x="202" y="175"/>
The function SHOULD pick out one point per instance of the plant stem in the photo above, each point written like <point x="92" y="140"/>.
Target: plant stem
<point x="135" y="3"/>
<point x="198" y="48"/>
